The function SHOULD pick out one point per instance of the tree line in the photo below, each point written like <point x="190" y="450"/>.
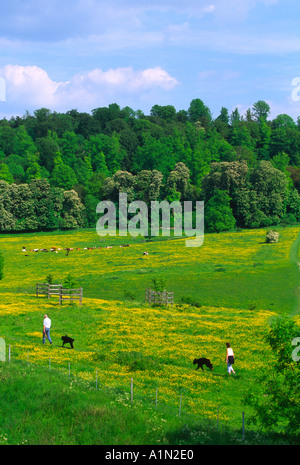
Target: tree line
<point x="56" y="167"/>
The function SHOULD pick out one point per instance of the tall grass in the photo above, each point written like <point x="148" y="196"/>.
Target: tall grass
<point x="41" y="407"/>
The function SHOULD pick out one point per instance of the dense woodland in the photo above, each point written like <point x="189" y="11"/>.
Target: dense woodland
<point x="56" y="167"/>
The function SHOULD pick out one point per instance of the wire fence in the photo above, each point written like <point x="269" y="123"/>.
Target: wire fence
<point x="220" y="419"/>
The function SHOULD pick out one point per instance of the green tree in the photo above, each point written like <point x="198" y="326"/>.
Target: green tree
<point x="264" y="141"/>
<point x="283" y="121"/>
<point x="198" y="111"/>
<point x="23" y="142"/>
<point x="17" y="172"/>
<point x="70" y="145"/>
<point x="72" y="211"/>
<point x="7" y="139"/>
<point x="34" y="171"/>
<point x="167" y="112"/>
<point x="48" y="203"/>
<point x="178" y="182"/>
<point x="90" y="203"/>
<point x="261" y="110"/>
<point x="155" y="154"/>
<point x="270" y="185"/>
<point x="95" y="185"/>
<point x="235" y="117"/>
<point x="262" y="200"/>
<point x="5" y="174"/>
<point x="121" y="181"/>
<point x="48" y="147"/>
<point x="218" y="214"/>
<point x="158" y="283"/>
<point x="147" y="185"/>
<point x="22" y="206"/>
<point x="70" y="282"/>
<point x="228" y="176"/>
<point x="7" y="218"/>
<point x="62" y="175"/>
<point x="223" y="116"/>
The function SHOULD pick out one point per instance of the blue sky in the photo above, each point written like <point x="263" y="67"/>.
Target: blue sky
<point x="86" y="54"/>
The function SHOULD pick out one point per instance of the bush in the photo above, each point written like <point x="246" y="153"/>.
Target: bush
<point x="158" y="283"/>
<point x="49" y="278"/>
<point x="190" y="301"/>
<point x="70" y="282"/>
<point x="272" y="236"/>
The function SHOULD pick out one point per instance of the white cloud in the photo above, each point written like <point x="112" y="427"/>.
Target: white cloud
<point x="209" y="9"/>
<point x="30" y="86"/>
<point x="29" y="83"/>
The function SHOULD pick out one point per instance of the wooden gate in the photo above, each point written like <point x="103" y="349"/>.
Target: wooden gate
<point x="159" y="298"/>
<point x="71" y="295"/>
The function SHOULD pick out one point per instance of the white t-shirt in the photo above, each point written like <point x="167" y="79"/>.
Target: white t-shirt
<point x="47" y="323"/>
<point x="229" y="351"/>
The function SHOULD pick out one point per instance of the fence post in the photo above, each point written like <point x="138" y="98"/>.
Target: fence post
<point x="131" y="390"/>
<point x="9" y="353"/>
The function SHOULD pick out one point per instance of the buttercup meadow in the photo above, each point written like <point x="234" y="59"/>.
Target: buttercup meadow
<point x="227" y="290"/>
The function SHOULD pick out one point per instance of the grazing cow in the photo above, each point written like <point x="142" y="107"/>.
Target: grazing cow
<point x="146" y="253"/>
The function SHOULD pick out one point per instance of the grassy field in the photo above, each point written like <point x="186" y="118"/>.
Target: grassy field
<point x="236" y="281"/>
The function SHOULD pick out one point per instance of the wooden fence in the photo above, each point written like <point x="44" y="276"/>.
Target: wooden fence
<point x="57" y="289"/>
<point x="159" y="298"/>
<point x="42" y="289"/>
<point x="54" y="289"/>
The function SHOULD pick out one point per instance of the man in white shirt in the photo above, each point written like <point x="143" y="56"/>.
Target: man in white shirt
<point x="46" y="329"/>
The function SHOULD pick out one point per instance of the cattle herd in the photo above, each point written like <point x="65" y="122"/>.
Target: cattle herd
<point x="71" y="249"/>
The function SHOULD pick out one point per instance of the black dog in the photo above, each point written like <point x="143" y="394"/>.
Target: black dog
<point x="67" y="339"/>
<point x="202" y="361"/>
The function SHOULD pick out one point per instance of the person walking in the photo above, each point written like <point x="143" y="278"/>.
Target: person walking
<point x="229" y="358"/>
<point x="46" y="329"/>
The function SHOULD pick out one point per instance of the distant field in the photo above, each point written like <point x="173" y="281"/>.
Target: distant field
<point x="236" y="269"/>
<point x="237" y="281"/>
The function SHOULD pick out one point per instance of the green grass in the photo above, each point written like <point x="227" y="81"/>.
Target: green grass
<point x="251" y="276"/>
<point x="42" y="407"/>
